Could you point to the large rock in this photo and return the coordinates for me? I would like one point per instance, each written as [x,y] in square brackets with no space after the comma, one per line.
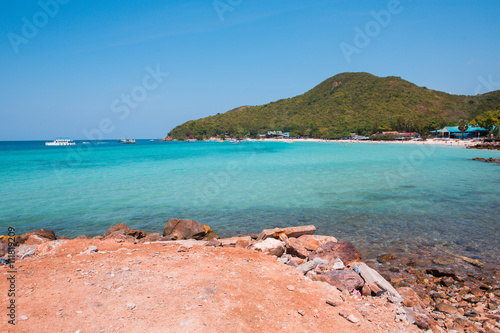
[270,246]
[289,232]
[123,229]
[44,234]
[150,237]
[422,318]
[343,280]
[187,229]
[238,241]
[332,250]
[296,248]
[376,282]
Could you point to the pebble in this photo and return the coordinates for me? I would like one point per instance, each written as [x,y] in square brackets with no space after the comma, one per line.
[301,312]
[23,318]
[290,287]
[131,306]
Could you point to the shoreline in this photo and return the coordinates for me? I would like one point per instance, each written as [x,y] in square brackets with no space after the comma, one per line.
[437,278]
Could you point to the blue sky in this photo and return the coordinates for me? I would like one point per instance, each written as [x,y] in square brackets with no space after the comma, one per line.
[85,70]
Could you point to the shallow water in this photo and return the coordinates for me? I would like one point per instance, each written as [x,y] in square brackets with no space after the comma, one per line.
[381,197]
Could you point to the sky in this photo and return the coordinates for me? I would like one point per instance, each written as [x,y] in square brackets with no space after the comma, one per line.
[111,69]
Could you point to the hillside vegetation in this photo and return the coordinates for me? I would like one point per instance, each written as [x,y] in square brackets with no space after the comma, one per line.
[346,103]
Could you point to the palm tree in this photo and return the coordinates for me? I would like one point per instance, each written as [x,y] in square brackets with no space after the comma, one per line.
[463,125]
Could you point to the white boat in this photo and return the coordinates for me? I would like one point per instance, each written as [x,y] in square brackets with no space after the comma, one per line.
[61,142]
[127,140]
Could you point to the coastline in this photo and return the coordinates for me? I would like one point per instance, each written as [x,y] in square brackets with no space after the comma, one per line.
[454,292]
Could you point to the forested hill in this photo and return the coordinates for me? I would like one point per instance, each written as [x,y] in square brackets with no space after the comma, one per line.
[348,102]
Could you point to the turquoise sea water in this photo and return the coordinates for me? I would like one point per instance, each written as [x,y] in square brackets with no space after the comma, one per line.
[378,196]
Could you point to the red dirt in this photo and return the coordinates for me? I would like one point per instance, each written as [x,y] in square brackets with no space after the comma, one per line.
[204,290]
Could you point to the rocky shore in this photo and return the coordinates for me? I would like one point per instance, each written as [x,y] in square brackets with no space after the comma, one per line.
[396,292]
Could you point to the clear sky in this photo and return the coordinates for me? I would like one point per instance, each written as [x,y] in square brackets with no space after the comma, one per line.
[82,69]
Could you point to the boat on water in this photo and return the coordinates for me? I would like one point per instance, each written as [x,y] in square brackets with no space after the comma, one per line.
[127,141]
[235,141]
[61,142]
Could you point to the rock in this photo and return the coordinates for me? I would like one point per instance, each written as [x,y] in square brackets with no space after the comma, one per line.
[131,306]
[440,272]
[478,159]
[386,258]
[81,237]
[243,242]
[284,258]
[308,266]
[123,229]
[184,248]
[120,238]
[214,243]
[376,282]
[48,234]
[290,287]
[35,240]
[297,261]
[331,251]
[309,242]
[23,317]
[446,308]
[150,237]
[270,246]
[492,160]
[295,247]
[301,312]
[320,261]
[447,281]
[338,264]
[349,317]
[188,229]
[289,232]
[343,280]
[422,319]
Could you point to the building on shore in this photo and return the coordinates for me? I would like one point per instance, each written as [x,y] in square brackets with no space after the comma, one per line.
[455,133]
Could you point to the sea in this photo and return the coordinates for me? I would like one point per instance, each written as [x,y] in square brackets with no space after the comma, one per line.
[383,198]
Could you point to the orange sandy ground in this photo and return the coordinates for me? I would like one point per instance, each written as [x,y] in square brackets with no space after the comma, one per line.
[204,290]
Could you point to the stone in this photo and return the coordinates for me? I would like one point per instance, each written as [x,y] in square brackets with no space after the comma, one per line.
[243,242]
[386,258]
[131,306]
[188,229]
[270,246]
[446,308]
[422,318]
[295,247]
[289,232]
[440,272]
[447,281]
[343,280]
[338,264]
[320,261]
[44,233]
[331,251]
[376,282]
[290,287]
[23,317]
[308,266]
[123,229]
[214,243]
[297,261]
[478,159]
[81,237]
[349,317]
[150,237]
[301,312]
[309,242]
[35,240]
[120,238]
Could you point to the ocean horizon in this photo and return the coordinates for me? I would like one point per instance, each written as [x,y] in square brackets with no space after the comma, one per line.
[381,197]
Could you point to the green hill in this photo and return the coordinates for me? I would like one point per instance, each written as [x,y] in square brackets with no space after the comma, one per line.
[348,102]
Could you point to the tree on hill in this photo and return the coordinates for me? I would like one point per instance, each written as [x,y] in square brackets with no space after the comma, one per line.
[463,126]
